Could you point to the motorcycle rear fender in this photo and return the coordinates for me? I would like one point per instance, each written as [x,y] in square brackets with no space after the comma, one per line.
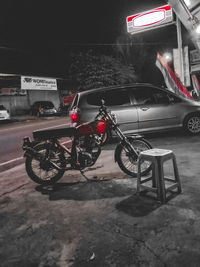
[28,147]
[31,144]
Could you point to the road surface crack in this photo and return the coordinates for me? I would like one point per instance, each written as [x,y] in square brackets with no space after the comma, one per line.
[117,231]
[13,190]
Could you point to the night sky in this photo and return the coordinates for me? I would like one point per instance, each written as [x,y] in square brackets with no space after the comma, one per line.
[40,33]
[67,21]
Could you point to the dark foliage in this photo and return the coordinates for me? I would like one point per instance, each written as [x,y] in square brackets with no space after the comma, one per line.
[89,70]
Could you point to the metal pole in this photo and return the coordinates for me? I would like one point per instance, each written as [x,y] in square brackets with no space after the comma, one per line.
[180,49]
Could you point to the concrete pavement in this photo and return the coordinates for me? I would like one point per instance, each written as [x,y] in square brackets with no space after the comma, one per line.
[102,223]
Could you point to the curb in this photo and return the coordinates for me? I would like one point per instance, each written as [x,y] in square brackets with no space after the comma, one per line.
[11,164]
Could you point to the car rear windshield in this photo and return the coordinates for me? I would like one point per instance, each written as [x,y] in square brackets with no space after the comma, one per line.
[43,104]
[47,105]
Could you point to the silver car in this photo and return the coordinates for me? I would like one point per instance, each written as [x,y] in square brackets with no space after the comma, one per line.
[139,108]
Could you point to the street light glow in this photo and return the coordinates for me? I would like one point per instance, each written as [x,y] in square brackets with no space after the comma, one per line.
[167,57]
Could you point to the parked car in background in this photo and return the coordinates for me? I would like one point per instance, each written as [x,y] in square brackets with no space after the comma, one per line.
[139,108]
[43,108]
[4,113]
[67,100]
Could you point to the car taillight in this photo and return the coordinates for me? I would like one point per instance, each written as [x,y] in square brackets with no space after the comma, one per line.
[75,115]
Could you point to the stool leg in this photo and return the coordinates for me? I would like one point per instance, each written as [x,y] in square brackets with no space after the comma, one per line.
[176,174]
[161,188]
[138,176]
[154,174]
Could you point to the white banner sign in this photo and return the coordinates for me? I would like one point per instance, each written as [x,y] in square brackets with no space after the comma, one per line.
[36,83]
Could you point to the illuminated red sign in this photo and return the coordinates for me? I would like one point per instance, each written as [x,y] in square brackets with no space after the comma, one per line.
[149,19]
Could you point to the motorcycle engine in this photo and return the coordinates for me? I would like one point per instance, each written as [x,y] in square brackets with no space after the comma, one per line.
[89,150]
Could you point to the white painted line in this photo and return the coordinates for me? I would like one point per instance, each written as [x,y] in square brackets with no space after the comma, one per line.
[10,161]
[30,125]
[20,158]
[52,127]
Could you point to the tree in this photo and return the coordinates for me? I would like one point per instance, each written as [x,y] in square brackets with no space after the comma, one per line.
[89,70]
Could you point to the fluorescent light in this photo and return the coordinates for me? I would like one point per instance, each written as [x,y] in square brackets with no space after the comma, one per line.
[197,28]
[188,2]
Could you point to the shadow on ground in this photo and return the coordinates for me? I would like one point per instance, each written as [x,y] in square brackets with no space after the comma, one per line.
[134,205]
[138,206]
[83,191]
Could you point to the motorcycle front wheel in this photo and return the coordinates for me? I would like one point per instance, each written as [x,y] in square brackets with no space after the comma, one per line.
[128,162]
[41,171]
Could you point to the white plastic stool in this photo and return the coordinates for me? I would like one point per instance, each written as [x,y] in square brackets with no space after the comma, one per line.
[158,157]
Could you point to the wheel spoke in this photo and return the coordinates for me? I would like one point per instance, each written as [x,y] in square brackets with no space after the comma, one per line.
[44,170]
[194,124]
[129,162]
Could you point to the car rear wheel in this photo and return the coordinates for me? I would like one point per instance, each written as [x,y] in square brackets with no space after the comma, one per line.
[192,124]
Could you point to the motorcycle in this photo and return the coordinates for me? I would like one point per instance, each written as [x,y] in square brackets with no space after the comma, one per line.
[47,158]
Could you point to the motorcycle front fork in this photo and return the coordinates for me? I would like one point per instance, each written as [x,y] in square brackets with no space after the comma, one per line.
[125,143]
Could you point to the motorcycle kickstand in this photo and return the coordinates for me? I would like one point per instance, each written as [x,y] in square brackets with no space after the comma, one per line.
[87,179]
[82,173]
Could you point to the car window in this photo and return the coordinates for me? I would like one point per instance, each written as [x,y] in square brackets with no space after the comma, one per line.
[111,98]
[161,97]
[174,99]
[117,98]
[95,99]
[144,96]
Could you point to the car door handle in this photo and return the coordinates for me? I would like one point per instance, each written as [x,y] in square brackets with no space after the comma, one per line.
[144,109]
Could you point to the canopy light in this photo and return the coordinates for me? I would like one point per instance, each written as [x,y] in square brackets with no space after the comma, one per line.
[197,28]
[188,3]
[167,56]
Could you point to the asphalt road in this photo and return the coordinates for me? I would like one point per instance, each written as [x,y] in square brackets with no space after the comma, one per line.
[11,135]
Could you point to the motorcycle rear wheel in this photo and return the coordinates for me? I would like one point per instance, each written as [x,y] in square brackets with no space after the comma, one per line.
[127,163]
[42,172]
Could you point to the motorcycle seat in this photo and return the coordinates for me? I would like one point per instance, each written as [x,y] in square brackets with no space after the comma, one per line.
[54,133]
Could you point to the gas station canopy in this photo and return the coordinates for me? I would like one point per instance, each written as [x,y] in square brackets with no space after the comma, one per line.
[188,11]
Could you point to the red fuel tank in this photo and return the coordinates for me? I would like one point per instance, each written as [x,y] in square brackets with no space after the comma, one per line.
[94,127]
